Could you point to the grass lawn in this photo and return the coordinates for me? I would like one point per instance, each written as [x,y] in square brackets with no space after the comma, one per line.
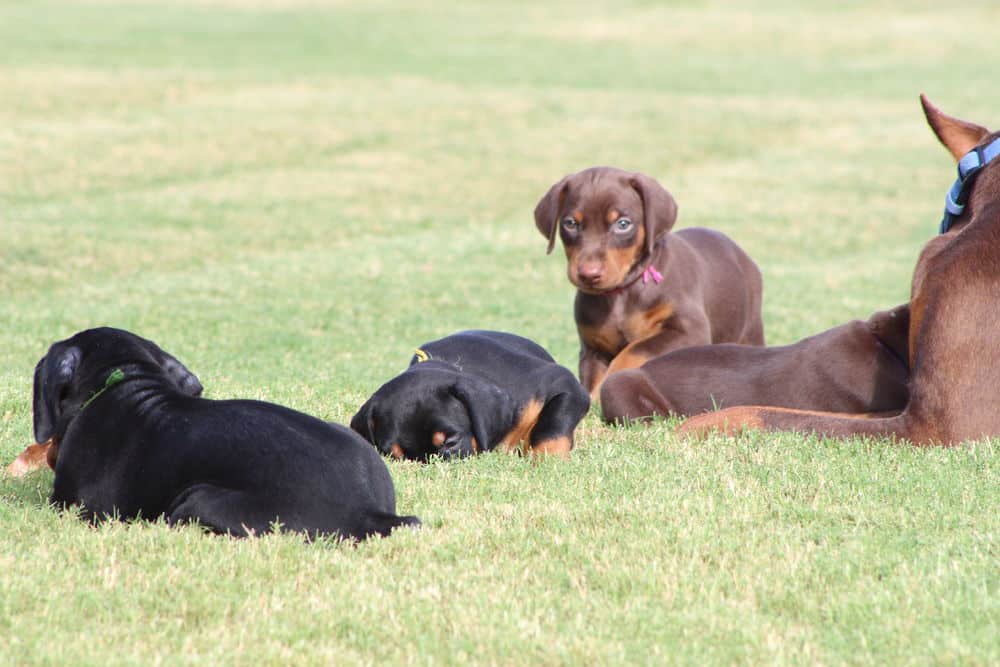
[289,195]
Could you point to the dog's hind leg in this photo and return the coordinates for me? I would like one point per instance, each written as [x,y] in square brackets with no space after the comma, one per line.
[221,510]
[552,434]
[824,424]
[241,514]
[383,523]
[630,396]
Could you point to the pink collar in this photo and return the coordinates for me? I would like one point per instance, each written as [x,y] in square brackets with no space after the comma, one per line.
[649,274]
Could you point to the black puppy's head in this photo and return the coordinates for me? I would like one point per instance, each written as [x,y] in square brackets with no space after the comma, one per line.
[430,410]
[75,369]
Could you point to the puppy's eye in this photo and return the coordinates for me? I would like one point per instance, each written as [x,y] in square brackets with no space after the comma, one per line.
[623,225]
[570,225]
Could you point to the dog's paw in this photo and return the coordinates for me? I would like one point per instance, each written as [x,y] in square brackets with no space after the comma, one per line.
[34,457]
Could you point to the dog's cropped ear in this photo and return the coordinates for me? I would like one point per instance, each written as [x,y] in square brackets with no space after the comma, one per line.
[958,136]
[53,376]
[361,423]
[490,409]
[659,210]
[547,211]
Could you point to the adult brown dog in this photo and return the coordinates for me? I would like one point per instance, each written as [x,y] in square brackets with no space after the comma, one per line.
[954,358]
[855,367]
[641,291]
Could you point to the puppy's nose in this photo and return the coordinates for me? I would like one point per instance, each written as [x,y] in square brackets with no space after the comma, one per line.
[591,271]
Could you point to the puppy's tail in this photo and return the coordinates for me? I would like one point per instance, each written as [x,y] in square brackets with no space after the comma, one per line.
[383,523]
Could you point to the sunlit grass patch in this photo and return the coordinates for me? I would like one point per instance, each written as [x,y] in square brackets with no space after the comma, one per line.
[290,195]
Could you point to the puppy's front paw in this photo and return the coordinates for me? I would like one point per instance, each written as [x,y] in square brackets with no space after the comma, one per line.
[34,457]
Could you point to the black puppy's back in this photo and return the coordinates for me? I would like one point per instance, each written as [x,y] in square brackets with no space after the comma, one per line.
[501,356]
[146,445]
[474,391]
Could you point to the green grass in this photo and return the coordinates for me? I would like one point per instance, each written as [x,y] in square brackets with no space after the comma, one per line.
[290,195]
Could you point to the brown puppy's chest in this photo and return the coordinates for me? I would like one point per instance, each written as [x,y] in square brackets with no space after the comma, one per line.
[623,324]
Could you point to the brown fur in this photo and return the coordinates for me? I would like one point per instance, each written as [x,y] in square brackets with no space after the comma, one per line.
[34,457]
[519,434]
[856,367]
[954,359]
[710,292]
[559,447]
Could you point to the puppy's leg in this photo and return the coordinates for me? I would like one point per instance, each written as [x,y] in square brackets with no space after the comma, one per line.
[593,368]
[678,332]
[629,395]
[221,510]
[34,457]
[825,424]
[552,434]
[637,353]
[380,523]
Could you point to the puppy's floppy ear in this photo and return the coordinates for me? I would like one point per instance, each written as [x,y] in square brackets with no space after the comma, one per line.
[547,210]
[490,409]
[53,376]
[659,210]
[361,423]
[178,373]
[958,136]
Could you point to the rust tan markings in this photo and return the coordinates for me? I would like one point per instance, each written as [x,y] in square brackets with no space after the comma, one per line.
[649,323]
[396,451]
[475,445]
[733,421]
[620,260]
[630,357]
[606,338]
[34,457]
[558,447]
[578,216]
[522,429]
[612,216]
[438,438]
[646,323]
[730,424]
[609,339]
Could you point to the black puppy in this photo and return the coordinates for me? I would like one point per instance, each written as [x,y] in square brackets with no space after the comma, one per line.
[134,439]
[475,391]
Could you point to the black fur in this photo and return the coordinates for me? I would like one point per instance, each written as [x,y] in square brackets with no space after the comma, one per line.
[149,446]
[473,384]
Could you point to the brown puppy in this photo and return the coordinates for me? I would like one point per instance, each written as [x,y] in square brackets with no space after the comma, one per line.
[641,291]
[954,359]
[856,367]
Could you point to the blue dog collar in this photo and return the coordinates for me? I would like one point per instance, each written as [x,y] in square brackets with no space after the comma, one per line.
[970,164]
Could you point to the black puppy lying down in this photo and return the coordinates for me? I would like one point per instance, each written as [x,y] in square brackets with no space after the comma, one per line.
[134,439]
[475,391]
